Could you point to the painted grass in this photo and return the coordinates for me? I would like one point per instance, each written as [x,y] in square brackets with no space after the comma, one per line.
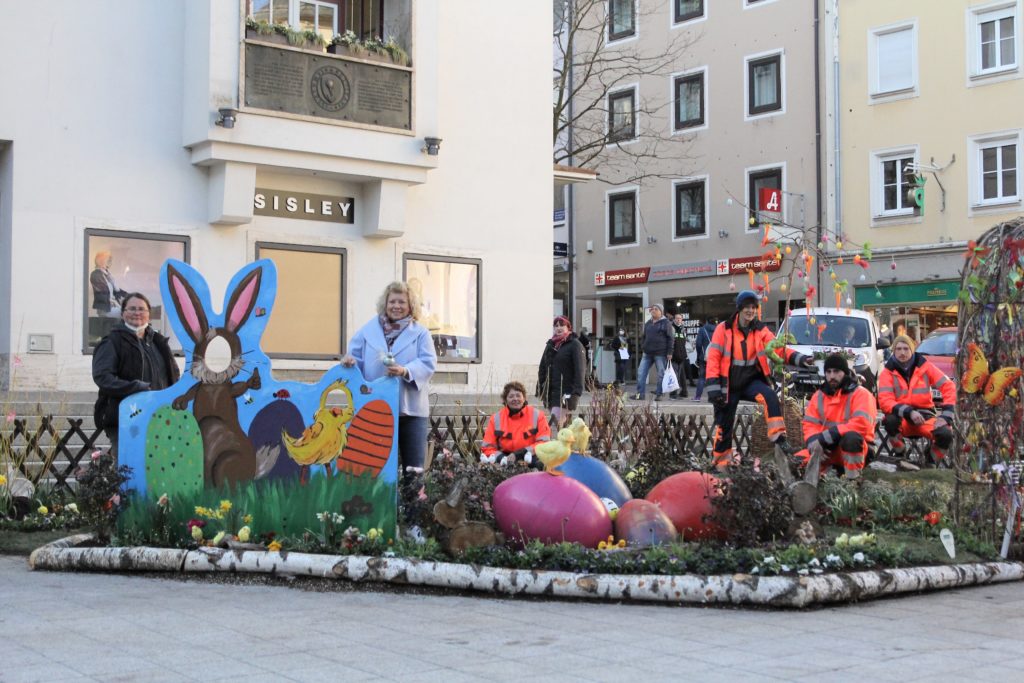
[282,506]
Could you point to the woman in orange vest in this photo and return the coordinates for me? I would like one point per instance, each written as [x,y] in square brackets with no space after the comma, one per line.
[839,423]
[513,431]
[738,369]
[905,396]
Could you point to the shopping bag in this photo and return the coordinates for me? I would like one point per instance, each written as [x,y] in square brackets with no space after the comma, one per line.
[669,382]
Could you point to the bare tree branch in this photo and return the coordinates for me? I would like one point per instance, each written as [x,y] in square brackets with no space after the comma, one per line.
[587,69]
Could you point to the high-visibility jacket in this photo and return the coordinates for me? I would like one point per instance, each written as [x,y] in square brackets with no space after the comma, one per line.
[898,396]
[508,433]
[728,348]
[851,408]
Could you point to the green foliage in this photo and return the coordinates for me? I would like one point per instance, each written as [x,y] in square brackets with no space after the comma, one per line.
[283,507]
[99,493]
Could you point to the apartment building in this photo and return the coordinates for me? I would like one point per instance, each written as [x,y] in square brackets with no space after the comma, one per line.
[928,99]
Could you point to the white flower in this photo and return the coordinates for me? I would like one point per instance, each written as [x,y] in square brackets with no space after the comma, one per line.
[858,557]
[814,562]
[832,560]
[769,560]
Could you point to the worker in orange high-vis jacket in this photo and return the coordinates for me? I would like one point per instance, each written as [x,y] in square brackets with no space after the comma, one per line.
[905,396]
[738,369]
[839,422]
[513,431]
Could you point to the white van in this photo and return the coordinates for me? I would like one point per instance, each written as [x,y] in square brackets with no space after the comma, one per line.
[823,331]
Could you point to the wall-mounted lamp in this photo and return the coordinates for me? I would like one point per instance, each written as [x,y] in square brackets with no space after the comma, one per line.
[227,118]
[722,234]
[433,145]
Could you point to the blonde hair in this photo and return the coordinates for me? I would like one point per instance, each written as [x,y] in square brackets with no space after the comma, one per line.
[904,339]
[103,256]
[399,287]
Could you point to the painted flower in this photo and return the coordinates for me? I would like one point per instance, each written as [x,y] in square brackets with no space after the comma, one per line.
[162,501]
[274,546]
[244,533]
[3,480]
[193,523]
[225,505]
[43,510]
[247,519]
[197,533]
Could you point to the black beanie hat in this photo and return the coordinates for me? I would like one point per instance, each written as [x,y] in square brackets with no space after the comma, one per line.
[837,361]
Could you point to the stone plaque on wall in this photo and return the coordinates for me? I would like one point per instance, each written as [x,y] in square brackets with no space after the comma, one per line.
[315,84]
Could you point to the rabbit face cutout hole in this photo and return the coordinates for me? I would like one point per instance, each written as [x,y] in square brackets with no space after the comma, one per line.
[218,354]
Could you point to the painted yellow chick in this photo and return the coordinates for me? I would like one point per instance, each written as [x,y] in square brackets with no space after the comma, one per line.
[322,441]
[581,432]
[554,453]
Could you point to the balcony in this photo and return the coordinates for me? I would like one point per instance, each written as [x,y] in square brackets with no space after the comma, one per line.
[296,108]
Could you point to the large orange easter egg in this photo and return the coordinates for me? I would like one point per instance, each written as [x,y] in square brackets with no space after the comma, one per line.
[370,436]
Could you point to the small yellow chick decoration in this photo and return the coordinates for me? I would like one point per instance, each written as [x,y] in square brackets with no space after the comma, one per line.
[610,544]
[554,453]
[581,433]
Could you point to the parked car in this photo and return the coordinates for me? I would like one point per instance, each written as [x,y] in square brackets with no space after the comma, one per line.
[823,331]
[940,347]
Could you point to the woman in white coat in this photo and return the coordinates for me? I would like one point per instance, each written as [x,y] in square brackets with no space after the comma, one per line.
[394,344]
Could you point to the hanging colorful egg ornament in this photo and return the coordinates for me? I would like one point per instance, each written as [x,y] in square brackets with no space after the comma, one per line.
[839,245]
[839,260]
[789,249]
[862,277]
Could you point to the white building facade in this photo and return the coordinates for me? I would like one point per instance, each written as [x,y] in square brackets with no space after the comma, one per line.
[146,131]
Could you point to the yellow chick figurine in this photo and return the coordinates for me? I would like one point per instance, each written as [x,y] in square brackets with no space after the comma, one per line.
[581,432]
[554,453]
[322,441]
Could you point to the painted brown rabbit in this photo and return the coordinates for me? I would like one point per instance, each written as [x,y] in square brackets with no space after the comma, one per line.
[228,454]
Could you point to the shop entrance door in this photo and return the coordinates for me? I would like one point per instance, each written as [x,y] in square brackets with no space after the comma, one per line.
[629,316]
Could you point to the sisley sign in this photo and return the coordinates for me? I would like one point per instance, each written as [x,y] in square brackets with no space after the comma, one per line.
[312,207]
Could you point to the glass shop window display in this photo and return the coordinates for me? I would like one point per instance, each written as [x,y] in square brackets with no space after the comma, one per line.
[118,263]
[448,289]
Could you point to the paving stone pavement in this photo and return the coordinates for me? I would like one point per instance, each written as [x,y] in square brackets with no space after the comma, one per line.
[100,627]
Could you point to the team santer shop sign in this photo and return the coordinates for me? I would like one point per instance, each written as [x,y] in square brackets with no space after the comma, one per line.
[311,207]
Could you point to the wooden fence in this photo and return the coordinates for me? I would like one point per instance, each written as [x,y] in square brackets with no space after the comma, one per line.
[54,447]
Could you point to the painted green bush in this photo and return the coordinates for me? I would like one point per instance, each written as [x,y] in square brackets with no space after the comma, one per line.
[174,454]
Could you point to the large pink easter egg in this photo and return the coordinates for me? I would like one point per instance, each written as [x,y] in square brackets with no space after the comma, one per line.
[686,499]
[551,509]
[641,522]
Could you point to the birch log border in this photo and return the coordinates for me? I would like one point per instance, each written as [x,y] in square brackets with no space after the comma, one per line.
[735,589]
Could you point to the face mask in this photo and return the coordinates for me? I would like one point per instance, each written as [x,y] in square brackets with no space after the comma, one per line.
[136,330]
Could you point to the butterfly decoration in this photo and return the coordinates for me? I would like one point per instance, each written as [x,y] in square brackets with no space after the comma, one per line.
[977,253]
[993,385]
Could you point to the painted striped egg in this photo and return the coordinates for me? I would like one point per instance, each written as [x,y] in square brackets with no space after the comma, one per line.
[370,436]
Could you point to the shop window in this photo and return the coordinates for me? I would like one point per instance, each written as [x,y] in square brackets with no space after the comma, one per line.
[690,208]
[689,97]
[764,85]
[118,263]
[622,116]
[449,293]
[621,19]
[766,178]
[622,218]
[307,320]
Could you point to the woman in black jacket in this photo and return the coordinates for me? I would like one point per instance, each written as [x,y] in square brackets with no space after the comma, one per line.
[560,380]
[132,358]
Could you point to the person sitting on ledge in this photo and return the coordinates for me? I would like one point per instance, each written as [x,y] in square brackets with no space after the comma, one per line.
[839,422]
[513,431]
